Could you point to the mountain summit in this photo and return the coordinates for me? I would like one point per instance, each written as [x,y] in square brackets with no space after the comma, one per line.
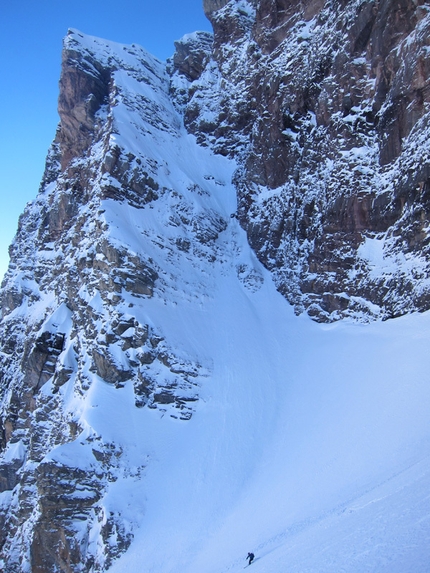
[196,356]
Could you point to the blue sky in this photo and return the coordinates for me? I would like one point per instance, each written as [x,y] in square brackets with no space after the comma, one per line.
[31,36]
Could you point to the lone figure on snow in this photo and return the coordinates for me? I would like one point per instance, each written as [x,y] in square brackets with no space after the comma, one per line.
[250,556]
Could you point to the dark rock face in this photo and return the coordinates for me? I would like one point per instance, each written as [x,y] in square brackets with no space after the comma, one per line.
[192,54]
[333,100]
[84,89]
[210,6]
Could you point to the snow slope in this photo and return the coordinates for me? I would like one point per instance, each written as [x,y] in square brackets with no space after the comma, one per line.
[311,447]
[310,443]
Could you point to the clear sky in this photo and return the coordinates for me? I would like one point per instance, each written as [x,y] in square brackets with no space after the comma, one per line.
[31,36]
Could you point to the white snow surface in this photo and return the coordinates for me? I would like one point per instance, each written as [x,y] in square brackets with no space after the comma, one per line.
[310,443]
[310,446]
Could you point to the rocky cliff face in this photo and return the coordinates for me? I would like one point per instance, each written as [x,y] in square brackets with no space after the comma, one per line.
[326,104]
[318,112]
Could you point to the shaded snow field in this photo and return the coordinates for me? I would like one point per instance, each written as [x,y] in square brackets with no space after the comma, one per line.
[309,446]
[310,443]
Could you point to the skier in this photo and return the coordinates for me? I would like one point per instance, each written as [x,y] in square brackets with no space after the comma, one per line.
[250,556]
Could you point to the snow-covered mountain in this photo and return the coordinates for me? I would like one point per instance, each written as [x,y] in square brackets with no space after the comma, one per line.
[163,406]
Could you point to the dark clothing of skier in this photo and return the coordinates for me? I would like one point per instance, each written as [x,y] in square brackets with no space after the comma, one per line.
[250,556]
